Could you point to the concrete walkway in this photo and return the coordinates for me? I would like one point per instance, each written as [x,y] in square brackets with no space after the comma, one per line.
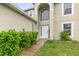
[30,51]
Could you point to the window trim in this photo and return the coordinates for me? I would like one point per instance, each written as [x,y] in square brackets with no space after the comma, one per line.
[71,12]
[72,28]
[41,11]
[43,16]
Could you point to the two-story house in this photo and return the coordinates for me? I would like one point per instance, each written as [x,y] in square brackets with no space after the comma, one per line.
[53,18]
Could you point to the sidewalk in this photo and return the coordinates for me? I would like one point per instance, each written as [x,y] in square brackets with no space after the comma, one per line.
[30,51]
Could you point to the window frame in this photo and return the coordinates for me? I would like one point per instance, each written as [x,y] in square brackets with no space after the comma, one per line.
[72,28]
[41,16]
[72,11]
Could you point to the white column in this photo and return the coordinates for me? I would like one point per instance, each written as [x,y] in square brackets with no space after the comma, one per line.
[51,20]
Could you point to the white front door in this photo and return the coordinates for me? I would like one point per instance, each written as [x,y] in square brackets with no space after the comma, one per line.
[44,32]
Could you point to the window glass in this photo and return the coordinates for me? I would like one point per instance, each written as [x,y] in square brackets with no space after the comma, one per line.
[67,27]
[67,8]
[45,15]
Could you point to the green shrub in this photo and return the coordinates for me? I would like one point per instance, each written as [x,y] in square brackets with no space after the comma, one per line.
[25,41]
[33,37]
[9,43]
[65,36]
[27,38]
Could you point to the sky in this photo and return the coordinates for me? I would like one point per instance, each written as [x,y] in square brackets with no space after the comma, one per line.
[24,6]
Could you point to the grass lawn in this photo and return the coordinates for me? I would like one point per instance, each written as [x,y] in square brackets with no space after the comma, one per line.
[59,48]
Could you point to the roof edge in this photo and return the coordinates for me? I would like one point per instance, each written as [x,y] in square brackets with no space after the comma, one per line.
[14,7]
[29,9]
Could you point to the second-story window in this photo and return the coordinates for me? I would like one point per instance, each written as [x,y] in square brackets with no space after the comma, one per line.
[67,8]
[45,15]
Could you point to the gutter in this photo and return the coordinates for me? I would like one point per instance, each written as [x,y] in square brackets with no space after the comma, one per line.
[29,9]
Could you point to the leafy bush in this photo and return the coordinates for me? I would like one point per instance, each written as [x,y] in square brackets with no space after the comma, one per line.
[25,41]
[33,36]
[27,38]
[65,36]
[9,43]
[12,41]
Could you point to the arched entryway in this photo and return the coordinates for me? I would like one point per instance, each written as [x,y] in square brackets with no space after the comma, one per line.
[44,20]
[43,11]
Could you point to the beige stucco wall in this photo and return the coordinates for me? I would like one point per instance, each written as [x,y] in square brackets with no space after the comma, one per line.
[10,19]
[56,20]
[59,19]
[45,22]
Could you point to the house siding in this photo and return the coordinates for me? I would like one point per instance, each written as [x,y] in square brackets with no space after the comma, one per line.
[10,19]
[56,20]
[59,19]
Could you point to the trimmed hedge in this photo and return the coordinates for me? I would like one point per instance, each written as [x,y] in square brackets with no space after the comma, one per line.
[11,42]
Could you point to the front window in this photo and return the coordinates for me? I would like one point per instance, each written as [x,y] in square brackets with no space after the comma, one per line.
[45,15]
[67,8]
[68,27]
